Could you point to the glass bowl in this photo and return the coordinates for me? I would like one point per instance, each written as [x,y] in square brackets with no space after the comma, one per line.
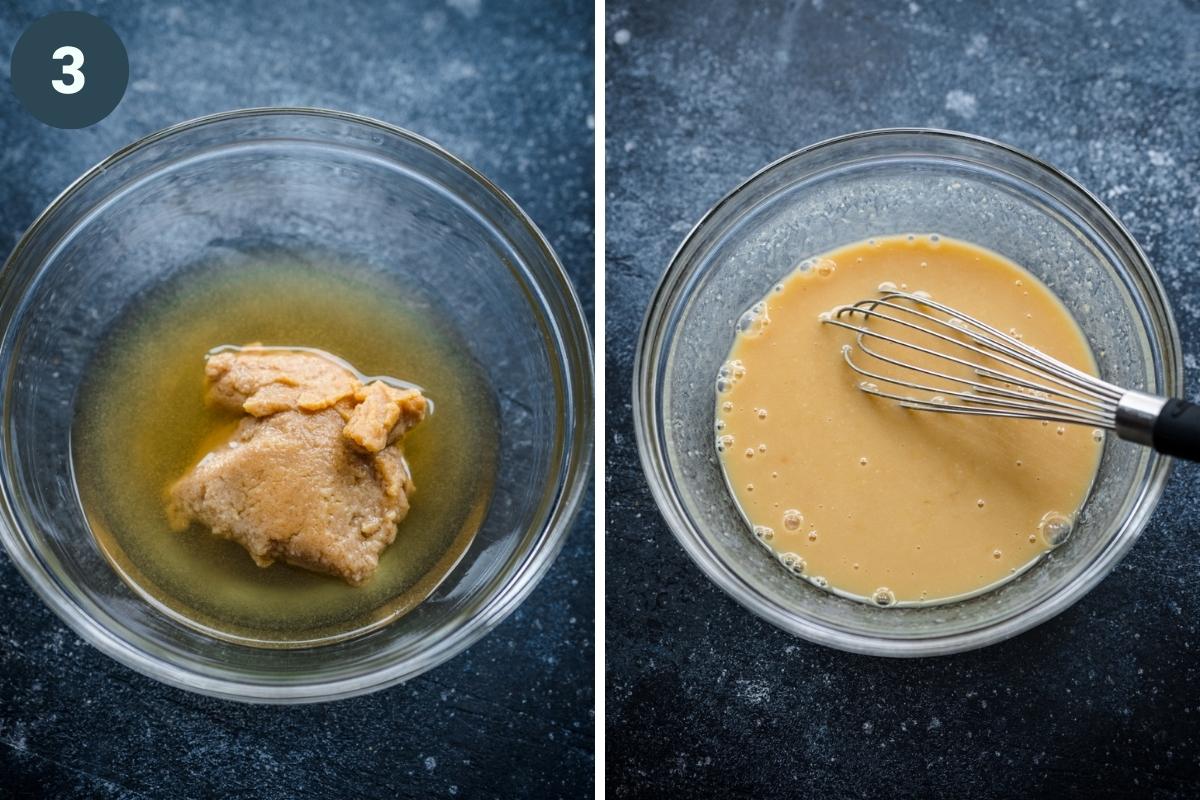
[292,179]
[846,190]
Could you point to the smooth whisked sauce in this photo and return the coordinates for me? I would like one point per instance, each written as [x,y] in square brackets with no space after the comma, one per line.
[874,501]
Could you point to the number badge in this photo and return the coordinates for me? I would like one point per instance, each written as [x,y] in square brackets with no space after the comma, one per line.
[70,69]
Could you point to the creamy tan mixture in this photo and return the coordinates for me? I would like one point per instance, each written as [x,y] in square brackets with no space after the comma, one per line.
[314,474]
[862,496]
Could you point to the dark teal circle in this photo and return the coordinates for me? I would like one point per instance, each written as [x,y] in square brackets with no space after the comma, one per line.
[105,68]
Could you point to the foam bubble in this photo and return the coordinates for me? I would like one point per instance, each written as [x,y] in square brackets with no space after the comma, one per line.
[793,563]
[792,519]
[821,581]
[724,443]
[754,321]
[1098,435]
[763,533]
[867,386]
[883,597]
[1055,528]
[887,286]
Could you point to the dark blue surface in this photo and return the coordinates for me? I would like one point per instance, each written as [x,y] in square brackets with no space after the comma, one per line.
[509,89]
[704,698]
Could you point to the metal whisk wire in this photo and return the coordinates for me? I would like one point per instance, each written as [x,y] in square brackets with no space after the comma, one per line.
[1011,378]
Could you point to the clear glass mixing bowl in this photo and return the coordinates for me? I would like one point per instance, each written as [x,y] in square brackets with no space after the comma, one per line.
[846,190]
[297,180]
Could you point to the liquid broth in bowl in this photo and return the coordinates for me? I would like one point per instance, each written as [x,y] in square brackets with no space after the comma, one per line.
[868,499]
[142,422]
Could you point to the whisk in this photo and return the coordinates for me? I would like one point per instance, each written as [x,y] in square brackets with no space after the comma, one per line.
[999,375]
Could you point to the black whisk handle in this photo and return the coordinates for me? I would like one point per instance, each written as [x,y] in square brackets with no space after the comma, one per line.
[1177,430]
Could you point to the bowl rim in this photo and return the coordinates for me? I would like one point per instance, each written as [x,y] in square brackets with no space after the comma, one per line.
[573,340]
[650,352]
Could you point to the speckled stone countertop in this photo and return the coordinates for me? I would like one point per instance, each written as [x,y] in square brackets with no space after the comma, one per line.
[509,89]
[1103,701]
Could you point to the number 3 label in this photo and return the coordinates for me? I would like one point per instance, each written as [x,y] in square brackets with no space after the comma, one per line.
[70,70]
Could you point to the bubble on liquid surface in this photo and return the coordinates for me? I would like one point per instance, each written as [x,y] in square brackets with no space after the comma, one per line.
[749,452]
[1098,435]
[938,400]
[887,286]
[997,553]
[920,294]
[1055,528]
[867,386]
[883,597]
[1060,430]
[754,321]
[825,267]
[862,462]
[821,581]
[761,413]
[720,425]
[807,265]
[793,563]
[763,533]
[728,375]
[724,443]
[792,519]
[727,406]
[824,316]
[812,536]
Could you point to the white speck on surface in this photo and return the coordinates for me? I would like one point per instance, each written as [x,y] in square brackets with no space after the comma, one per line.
[961,103]
[622,36]
[468,8]
[430,763]
[868,727]
[591,122]
[143,85]
[753,692]
[913,8]
[1160,158]
[630,145]
[978,45]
